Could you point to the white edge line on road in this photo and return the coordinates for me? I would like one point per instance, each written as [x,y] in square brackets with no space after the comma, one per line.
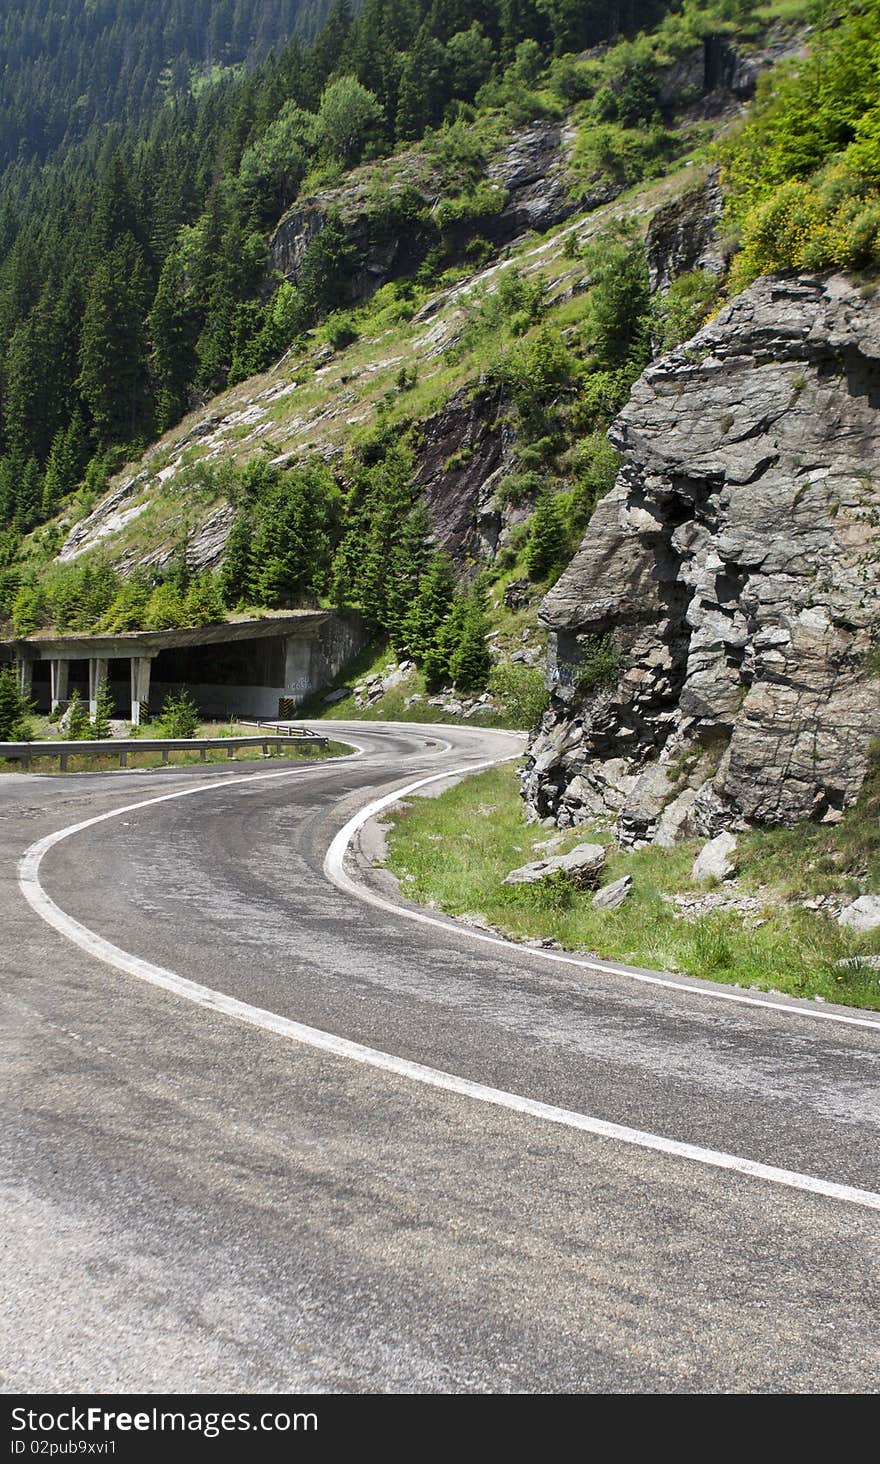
[334,868]
[229,1006]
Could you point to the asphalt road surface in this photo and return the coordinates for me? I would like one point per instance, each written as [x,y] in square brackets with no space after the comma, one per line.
[194,1204]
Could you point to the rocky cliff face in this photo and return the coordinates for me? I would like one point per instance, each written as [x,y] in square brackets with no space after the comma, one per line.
[683,235]
[531,169]
[713,644]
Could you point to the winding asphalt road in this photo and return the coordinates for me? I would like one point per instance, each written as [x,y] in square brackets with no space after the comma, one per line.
[194,1204]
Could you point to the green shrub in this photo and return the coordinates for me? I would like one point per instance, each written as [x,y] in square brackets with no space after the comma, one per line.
[481,201]
[599,665]
[518,488]
[595,469]
[684,308]
[79,728]
[15,707]
[803,175]
[520,692]
[624,155]
[340,331]
[180,715]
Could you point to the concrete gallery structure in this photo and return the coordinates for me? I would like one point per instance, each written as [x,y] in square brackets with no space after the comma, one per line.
[258,668]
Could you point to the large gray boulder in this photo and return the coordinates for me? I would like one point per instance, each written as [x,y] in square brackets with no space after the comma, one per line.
[582,867]
[732,568]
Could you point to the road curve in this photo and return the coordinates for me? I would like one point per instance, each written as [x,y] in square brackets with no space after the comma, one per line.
[192,1204]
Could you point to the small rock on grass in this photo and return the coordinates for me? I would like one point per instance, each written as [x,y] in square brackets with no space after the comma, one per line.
[582,866]
[715,859]
[612,896]
[863,914]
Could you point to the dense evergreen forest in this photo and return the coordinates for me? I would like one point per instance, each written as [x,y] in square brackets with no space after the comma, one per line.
[67,66]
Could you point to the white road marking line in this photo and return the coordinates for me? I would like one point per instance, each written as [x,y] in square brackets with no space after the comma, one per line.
[229,1006]
[334,868]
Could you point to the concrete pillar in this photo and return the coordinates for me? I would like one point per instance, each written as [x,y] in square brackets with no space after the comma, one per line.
[26,677]
[140,687]
[59,674]
[97,674]
[298,670]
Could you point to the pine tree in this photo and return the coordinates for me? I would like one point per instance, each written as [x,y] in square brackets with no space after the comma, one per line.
[470,662]
[236,574]
[129,606]
[79,728]
[423,87]
[173,328]
[164,609]
[65,464]
[180,715]
[103,712]
[15,708]
[436,659]
[202,603]
[115,214]
[29,504]
[406,565]
[430,607]
[548,545]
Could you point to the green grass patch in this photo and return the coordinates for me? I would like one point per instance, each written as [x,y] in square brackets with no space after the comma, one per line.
[453,852]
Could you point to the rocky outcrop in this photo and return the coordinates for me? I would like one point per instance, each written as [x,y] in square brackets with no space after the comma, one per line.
[711,642]
[391,218]
[683,235]
[714,78]
[464,451]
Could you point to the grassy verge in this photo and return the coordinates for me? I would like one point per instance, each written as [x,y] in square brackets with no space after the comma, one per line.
[452,853]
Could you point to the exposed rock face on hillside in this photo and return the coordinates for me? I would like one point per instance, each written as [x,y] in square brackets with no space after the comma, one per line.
[531,169]
[683,235]
[726,598]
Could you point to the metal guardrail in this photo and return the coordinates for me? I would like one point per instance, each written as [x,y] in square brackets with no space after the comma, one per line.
[282,728]
[23,752]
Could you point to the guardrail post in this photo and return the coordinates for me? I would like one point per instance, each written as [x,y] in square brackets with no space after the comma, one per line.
[203,754]
[123,758]
[164,754]
[62,758]
[230,751]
